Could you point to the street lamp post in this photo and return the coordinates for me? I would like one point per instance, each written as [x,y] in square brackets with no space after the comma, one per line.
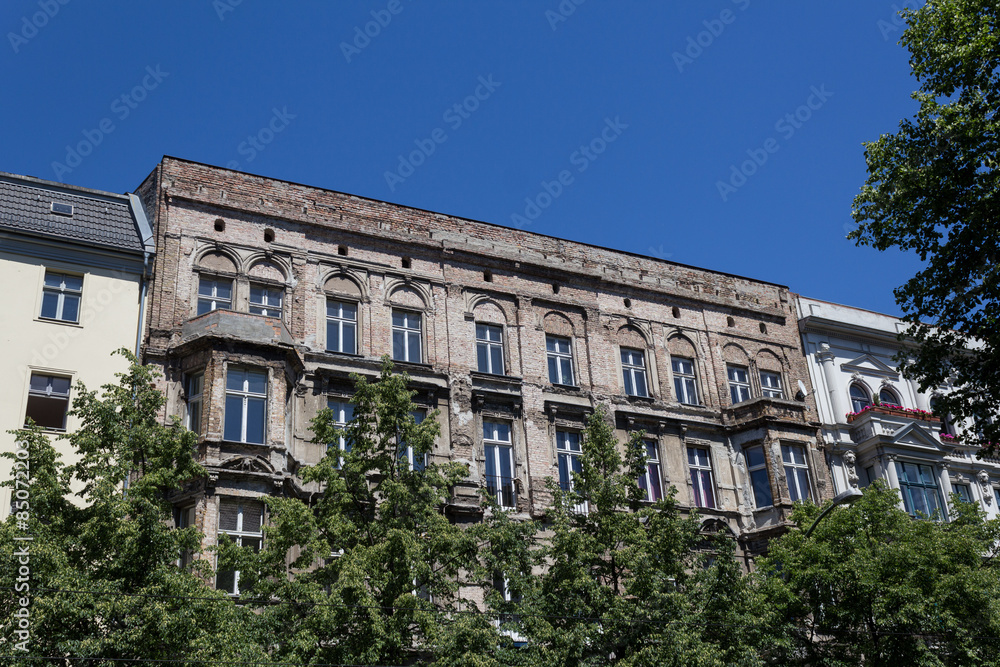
[847,497]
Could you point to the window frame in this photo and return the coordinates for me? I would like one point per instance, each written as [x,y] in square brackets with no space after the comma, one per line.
[49,394]
[697,472]
[238,535]
[265,306]
[754,471]
[632,370]
[494,450]
[906,488]
[342,322]
[558,358]
[195,400]
[653,490]
[490,346]
[896,400]
[406,452]
[794,470]
[246,396]
[62,293]
[856,405]
[408,334]
[770,390]
[966,494]
[341,408]
[737,387]
[212,298]
[685,383]
[566,452]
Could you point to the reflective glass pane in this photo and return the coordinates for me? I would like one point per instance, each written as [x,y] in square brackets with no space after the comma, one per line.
[566,366]
[654,481]
[255,420]
[399,345]
[257,382]
[482,358]
[761,488]
[60,386]
[223,290]
[349,345]
[415,353]
[235,378]
[333,336]
[74,283]
[53,279]
[39,382]
[71,307]
[234,419]
[50,304]
[257,294]
[564,478]
[491,462]
[496,358]
[755,456]
[505,463]
[503,432]
[398,319]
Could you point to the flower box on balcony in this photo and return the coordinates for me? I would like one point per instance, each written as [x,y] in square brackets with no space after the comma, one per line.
[894,411]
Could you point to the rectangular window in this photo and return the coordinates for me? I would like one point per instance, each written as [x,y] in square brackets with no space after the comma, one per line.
[343,414]
[569,450]
[61,297]
[48,401]
[510,597]
[650,481]
[184,518]
[918,487]
[489,349]
[685,386]
[770,384]
[406,336]
[241,520]
[195,387]
[407,457]
[266,300]
[341,327]
[739,384]
[996,492]
[214,294]
[499,463]
[246,402]
[963,491]
[560,356]
[700,464]
[634,372]
[796,472]
[759,479]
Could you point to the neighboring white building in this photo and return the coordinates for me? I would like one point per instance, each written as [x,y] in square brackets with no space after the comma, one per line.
[73,263]
[850,358]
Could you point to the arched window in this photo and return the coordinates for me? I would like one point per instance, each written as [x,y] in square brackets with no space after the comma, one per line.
[886,395]
[859,398]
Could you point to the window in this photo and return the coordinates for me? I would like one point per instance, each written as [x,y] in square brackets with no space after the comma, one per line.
[963,491]
[266,300]
[509,597]
[859,398]
[996,493]
[214,294]
[406,336]
[407,457]
[634,372]
[246,399]
[489,348]
[888,396]
[739,384]
[759,479]
[184,518]
[341,327]
[918,487]
[770,384]
[650,480]
[48,401]
[241,521]
[499,463]
[568,450]
[796,472]
[195,387]
[61,297]
[560,357]
[343,414]
[702,488]
[685,386]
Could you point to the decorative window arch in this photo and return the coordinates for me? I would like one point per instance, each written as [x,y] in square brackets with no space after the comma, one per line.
[889,395]
[860,397]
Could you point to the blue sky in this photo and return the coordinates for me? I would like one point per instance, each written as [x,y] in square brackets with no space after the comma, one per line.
[724,134]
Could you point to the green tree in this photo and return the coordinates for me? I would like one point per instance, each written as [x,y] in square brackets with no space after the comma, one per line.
[103,573]
[933,189]
[872,586]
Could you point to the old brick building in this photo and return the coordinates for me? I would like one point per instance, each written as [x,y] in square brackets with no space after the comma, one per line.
[268,294]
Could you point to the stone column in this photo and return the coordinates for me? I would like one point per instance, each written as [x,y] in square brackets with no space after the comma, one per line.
[838,400]
[945,488]
[889,462]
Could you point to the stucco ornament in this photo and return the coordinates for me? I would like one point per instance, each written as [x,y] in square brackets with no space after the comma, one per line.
[850,458]
[984,484]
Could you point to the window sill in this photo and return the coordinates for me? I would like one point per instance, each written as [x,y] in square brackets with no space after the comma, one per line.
[640,399]
[51,320]
[411,364]
[568,387]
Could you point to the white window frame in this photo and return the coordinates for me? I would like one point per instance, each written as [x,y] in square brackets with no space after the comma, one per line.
[565,451]
[49,394]
[246,395]
[796,473]
[698,472]
[856,405]
[770,384]
[195,387]
[560,357]
[212,299]
[739,389]
[685,380]
[184,518]
[891,392]
[646,482]
[634,369]
[965,496]
[406,452]
[265,306]
[495,447]
[239,535]
[754,472]
[62,293]
[343,415]
[489,345]
[501,583]
[341,322]
[409,333]
[907,487]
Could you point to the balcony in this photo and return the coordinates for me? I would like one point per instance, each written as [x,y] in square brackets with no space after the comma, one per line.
[503,490]
[911,429]
[763,408]
[244,327]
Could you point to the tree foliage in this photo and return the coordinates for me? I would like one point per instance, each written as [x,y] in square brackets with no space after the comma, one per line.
[933,189]
[872,586]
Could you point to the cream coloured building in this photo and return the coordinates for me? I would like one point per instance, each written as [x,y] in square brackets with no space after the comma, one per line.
[74,262]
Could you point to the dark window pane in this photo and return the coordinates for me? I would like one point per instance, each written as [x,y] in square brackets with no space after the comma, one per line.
[50,302]
[255,420]
[234,419]
[234,379]
[48,412]
[348,346]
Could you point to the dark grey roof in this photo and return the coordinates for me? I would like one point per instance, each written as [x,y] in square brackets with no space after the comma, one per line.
[99,218]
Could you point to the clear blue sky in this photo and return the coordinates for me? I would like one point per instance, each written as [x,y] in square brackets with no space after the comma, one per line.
[665,98]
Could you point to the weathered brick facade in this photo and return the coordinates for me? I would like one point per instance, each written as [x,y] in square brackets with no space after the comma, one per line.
[314,245]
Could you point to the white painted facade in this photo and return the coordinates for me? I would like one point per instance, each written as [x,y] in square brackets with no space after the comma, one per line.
[852,349]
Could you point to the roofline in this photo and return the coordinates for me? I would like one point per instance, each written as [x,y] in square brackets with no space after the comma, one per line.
[481,222]
[55,185]
[845,305]
[105,247]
